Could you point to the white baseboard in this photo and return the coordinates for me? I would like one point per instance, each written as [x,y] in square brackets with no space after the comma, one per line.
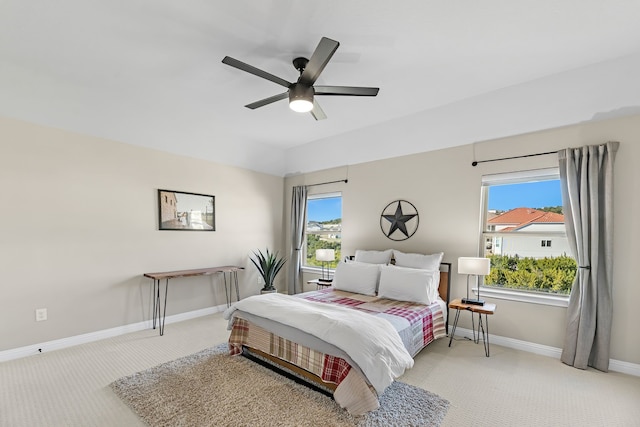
[624,367]
[545,350]
[58,344]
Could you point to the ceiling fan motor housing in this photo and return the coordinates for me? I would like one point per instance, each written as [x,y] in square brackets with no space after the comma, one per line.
[299,92]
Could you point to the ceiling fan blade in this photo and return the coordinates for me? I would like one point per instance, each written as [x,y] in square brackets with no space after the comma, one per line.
[346,90]
[317,112]
[255,71]
[267,101]
[321,56]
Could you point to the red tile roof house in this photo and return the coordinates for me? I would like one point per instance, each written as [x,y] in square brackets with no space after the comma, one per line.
[537,225]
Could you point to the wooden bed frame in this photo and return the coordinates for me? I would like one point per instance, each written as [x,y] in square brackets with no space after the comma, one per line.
[444,289]
[305,377]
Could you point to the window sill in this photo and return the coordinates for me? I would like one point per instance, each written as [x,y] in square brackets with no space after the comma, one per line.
[521,296]
[315,270]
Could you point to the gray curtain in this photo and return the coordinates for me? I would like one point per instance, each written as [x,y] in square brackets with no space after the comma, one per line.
[298,222]
[586,176]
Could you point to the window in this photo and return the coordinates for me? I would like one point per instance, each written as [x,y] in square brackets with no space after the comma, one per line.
[522,216]
[324,227]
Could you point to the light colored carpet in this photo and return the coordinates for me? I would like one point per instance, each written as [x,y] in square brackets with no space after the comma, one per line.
[211,388]
[70,387]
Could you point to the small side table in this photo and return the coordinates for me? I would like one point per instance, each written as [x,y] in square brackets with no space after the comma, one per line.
[319,283]
[485,309]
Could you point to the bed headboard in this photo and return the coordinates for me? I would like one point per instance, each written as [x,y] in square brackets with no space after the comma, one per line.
[444,289]
[445,281]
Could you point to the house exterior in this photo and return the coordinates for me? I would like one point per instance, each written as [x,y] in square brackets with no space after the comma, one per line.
[531,234]
[168,206]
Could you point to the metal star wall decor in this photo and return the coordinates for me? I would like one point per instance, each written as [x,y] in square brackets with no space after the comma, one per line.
[399,220]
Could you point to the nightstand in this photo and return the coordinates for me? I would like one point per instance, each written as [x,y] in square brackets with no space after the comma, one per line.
[485,309]
[319,283]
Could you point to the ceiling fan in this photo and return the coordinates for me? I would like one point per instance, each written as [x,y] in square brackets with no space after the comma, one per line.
[301,93]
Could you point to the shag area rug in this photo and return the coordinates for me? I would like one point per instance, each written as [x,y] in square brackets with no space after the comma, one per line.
[211,388]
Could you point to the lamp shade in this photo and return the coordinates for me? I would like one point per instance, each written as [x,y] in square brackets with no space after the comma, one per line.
[325,255]
[471,265]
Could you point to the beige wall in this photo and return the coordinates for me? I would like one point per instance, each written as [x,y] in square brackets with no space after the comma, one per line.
[445,189]
[79,227]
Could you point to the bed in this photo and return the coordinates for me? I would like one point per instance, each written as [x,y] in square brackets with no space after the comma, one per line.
[347,341]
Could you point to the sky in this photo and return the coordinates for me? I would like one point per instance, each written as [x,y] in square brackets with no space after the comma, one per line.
[501,197]
[526,195]
[324,209]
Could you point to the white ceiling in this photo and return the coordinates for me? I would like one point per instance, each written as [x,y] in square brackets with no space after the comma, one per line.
[149,73]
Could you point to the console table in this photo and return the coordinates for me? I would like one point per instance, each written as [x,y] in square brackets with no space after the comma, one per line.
[160,313]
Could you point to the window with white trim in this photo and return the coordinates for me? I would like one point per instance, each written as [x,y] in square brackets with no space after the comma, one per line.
[324,227]
[524,233]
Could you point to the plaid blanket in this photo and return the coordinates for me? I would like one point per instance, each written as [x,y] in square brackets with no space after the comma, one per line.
[417,324]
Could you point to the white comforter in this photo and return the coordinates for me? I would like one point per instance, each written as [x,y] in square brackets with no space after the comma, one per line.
[370,341]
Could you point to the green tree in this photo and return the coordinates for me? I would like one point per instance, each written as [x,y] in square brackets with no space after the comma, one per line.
[556,209]
[551,275]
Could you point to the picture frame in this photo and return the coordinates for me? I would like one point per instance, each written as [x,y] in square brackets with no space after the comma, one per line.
[183,211]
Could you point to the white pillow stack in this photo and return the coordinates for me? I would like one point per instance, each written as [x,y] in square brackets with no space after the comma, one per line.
[415,277]
[423,262]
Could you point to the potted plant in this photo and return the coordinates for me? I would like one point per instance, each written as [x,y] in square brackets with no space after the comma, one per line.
[269,265]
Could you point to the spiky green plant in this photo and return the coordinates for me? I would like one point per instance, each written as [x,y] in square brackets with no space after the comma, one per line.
[269,265]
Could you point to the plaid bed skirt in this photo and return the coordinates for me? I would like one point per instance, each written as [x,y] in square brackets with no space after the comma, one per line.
[329,368]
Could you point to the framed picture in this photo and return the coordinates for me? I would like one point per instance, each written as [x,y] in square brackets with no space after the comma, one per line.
[186,211]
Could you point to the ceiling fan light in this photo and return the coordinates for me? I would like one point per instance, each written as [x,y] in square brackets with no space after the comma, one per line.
[301,98]
[301,105]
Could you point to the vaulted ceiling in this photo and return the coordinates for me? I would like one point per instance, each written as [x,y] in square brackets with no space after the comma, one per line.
[149,73]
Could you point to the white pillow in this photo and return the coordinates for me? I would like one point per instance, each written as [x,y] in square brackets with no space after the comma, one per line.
[407,284]
[433,288]
[358,277]
[374,257]
[425,262]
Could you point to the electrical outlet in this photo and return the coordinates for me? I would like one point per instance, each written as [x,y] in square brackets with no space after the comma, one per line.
[41,314]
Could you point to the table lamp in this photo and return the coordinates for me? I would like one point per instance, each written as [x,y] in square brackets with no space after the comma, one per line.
[477,267]
[325,256]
